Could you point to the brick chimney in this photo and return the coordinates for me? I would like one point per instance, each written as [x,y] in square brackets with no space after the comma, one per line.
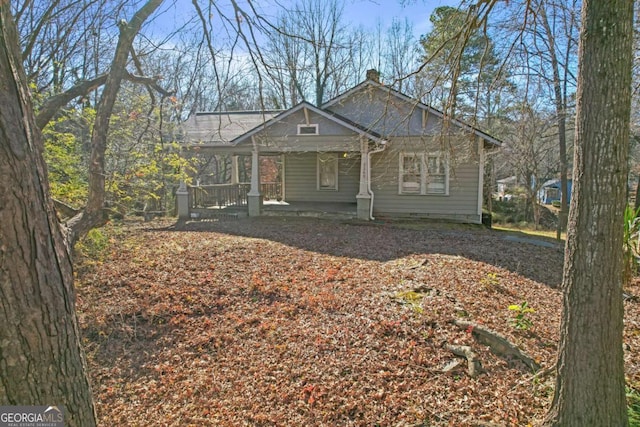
[373,75]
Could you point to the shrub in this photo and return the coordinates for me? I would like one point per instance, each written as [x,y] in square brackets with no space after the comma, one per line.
[633,407]
[521,319]
[631,242]
[93,245]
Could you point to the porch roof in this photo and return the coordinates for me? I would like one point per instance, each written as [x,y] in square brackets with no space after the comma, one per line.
[231,132]
[215,128]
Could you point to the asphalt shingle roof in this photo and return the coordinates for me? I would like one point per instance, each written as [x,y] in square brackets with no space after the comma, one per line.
[223,127]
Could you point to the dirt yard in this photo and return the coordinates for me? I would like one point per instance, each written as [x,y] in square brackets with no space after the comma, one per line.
[308,322]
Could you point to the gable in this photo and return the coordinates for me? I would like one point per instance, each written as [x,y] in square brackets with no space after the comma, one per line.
[301,124]
[376,109]
[391,113]
[286,126]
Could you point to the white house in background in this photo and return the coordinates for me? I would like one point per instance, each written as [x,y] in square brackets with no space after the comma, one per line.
[505,185]
[372,150]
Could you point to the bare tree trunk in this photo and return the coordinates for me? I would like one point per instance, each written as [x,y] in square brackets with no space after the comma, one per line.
[41,359]
[93,214]
[590,374]
[561,119]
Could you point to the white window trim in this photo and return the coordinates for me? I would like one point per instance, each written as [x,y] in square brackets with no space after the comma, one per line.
[329,157]
[312,125]
[423,184]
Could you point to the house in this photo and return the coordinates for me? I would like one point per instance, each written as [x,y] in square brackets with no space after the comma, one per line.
[551,191]
[505,186]
[371,150]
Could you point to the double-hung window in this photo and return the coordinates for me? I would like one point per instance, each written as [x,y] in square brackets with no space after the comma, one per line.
[328,171]
[424,173]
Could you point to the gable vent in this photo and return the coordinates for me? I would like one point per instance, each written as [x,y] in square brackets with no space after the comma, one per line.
[308,129]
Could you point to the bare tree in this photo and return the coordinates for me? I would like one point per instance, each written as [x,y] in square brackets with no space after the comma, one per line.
[553,35]
[309,52]
[399,54]
[60,40]
[461,72]
[93,215]
[530,152]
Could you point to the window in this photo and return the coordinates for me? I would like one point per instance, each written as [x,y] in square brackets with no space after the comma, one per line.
[423,173]
[328,171]
[308,129]
[436,174]
[411,171]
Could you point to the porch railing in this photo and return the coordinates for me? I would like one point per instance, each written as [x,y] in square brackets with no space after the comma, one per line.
[221,195]
[271,190]
[218,195]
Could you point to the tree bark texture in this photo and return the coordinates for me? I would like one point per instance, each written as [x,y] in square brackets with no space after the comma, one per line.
[41,359]
[590,373]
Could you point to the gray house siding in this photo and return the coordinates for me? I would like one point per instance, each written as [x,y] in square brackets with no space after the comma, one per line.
[461,203]
[283,135]
[301,179]
[314,144]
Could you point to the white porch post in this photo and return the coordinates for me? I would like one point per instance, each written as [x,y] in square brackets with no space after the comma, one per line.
[363,197]
[182,199]
[254,199]
[234,169]
[481,161]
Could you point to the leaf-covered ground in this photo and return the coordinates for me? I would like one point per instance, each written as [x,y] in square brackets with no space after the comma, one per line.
[306,322]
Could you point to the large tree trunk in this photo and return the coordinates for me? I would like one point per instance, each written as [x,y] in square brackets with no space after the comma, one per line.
[590,374]
[41,360]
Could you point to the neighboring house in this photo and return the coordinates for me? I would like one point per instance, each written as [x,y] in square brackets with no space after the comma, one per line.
[551,191]
[371,148]
[505,186]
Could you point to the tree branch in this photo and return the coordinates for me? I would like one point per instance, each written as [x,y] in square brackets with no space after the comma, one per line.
[82,88]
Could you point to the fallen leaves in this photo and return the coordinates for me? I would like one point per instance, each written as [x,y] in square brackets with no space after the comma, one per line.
[293,322]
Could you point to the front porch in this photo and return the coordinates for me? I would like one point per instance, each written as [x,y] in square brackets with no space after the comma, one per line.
[280,208]
[218,196]
[302,193]
[231,201]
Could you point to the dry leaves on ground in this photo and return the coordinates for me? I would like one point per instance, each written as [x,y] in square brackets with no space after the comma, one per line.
[275,321]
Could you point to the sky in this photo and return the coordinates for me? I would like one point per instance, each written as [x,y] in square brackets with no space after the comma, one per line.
[367,12]
[357,12]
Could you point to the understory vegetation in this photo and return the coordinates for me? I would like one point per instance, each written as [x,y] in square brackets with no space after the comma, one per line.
[275,321]
[518,212]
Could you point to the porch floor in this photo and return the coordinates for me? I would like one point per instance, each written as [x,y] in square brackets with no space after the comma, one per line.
[313,209]
[282,208]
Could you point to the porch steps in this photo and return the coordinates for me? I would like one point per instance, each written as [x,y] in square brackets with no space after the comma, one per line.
[208,214]
[309,213]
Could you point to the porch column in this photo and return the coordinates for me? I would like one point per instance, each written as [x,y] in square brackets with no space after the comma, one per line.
[234,169]
[182,200]
[254,199]
[363,197]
